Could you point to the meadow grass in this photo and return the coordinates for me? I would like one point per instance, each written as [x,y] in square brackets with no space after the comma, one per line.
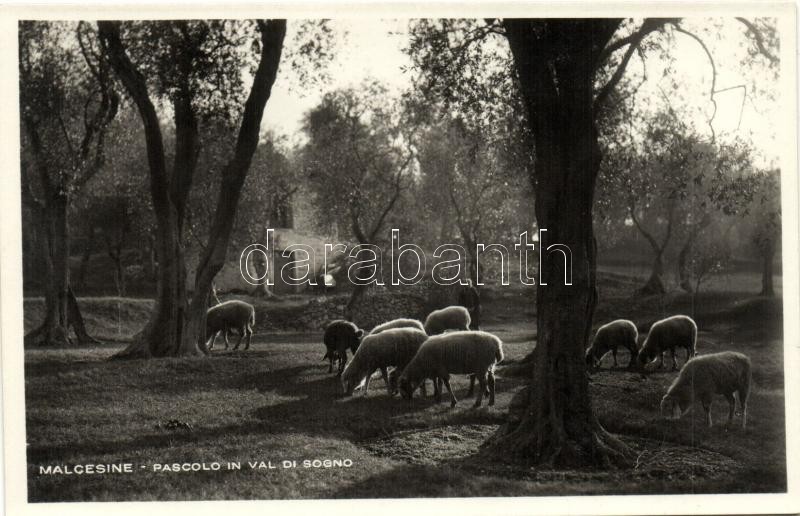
[277,402]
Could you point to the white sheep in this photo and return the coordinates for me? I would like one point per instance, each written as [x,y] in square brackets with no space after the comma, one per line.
[449,318]
[702,377]
[233,314]
[397,323]
[668,334]
[390,348]
[608,337]
[458,352]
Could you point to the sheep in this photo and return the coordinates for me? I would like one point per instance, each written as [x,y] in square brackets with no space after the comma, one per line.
[667,334]
[609,337]
[233,314]
[718,373]
[339,336]
[449,318]
[397,323]
[459,352]
[395,347]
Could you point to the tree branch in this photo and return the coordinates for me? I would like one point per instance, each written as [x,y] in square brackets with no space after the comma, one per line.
[702,44]
[633,41]
[759,39]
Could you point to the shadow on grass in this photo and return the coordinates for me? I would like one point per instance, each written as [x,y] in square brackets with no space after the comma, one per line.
[316,407]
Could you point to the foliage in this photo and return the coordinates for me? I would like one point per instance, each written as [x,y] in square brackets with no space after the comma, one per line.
[710,255]
[471,185]
[66,103]
[358,161]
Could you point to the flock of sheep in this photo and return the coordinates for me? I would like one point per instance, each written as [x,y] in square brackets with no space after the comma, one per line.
[444,345]
[726,373]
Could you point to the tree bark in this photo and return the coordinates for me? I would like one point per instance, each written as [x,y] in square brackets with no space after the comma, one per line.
[233,178]
[177,326]
[552,421]
[61,306]
[162,334]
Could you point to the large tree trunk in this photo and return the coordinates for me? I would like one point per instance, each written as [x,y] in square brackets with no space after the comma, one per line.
[552,421]
[163,332]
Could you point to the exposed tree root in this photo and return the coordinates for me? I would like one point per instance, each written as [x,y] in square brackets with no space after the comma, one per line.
[549,443]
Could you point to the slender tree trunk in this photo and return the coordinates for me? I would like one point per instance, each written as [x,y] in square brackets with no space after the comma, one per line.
[655,284]
[767,271]
[552,421]
[76,320]
[683,270]
[233,178]
[61,307]
[683,256]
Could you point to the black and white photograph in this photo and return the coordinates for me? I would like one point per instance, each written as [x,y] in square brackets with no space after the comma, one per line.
[401,254]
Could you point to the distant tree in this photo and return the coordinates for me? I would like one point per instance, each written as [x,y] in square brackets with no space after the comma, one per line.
[766,232]
[710,255]
[675,182]
[469,180]
[67,103]
[358,163]
[266,201]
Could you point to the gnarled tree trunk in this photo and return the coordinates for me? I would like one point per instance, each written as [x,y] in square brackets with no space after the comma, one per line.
[552,422]
[177,326]
[61,306]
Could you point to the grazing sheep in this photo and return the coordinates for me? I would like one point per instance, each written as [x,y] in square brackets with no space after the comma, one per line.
[723,373]
[233,314]
[449,318]
[609,337]
[460,352]
[668,334]
[391,348]
[339,336]
[397,323]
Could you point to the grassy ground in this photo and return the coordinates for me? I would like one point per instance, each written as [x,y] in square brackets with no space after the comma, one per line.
[277,402]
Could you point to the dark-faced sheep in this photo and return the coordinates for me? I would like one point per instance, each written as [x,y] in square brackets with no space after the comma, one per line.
[340,336]
[702,377]
[621,332]
[397,323]
[230,315]
[678,331]
[459,352]
[390,348]
[449,318]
